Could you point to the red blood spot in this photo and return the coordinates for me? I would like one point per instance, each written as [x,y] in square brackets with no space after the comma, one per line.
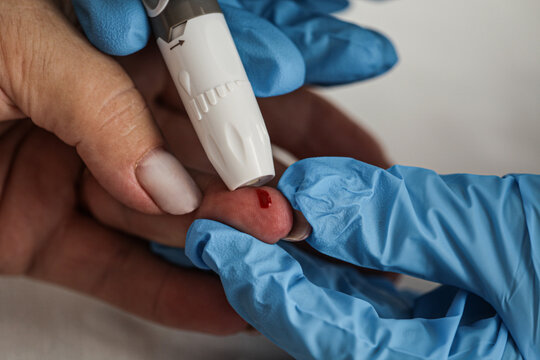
[264,198]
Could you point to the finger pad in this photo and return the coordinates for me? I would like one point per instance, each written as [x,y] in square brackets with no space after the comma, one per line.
[264,213]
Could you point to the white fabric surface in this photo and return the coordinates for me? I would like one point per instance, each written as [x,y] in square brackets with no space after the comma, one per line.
[42,322]
[465,98]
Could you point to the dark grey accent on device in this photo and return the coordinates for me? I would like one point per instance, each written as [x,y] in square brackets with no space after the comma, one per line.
[152,4]
[178,12]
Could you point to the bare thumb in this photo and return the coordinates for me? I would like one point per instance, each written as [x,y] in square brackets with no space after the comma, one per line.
[58,79]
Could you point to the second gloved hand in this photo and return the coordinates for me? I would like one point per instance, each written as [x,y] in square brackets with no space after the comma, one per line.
[283,43]
[317,310]
[476,233]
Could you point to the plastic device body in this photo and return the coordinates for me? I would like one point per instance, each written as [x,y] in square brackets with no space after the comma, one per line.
[200,53]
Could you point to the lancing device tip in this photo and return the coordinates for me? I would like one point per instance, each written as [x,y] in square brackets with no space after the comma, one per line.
[200,53]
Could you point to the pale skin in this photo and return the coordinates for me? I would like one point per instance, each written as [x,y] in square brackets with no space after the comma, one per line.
[71,212]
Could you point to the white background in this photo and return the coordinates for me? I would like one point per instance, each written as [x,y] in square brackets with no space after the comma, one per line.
[464,98]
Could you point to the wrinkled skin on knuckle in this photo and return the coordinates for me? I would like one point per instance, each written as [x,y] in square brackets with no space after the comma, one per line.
[122,126]
[9,28]
[48,68]
[30,60]
[118,110]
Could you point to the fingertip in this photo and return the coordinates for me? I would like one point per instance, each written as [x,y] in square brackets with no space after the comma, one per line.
[301,228]
[115,27]
[274,222]
[263,212]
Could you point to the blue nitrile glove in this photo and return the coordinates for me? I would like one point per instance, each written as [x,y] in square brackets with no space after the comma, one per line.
[478,233]
[317,310]
[283,43]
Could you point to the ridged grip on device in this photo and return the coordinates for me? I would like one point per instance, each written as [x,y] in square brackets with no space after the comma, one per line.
[219,100]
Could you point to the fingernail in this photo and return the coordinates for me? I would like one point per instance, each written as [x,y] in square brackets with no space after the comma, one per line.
[300,229]
[168,183]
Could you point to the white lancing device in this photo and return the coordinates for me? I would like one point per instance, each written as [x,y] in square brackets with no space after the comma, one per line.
[202,58]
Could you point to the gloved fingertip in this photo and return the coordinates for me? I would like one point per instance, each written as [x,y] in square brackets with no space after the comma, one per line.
[388,53]
[329,192]
[354,55]
[275,75]
[296,176]
[273,63]
[115,27]
[378,55]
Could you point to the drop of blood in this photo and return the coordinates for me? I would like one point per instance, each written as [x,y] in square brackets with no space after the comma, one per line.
[264,198]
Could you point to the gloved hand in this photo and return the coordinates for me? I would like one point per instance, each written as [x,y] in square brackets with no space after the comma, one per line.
[283,43]
[477,233]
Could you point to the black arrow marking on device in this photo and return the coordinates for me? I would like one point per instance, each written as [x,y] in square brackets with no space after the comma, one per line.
[180,43]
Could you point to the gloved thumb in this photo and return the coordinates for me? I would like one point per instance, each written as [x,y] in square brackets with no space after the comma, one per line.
[115,27]
[449,229]
[66,86]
